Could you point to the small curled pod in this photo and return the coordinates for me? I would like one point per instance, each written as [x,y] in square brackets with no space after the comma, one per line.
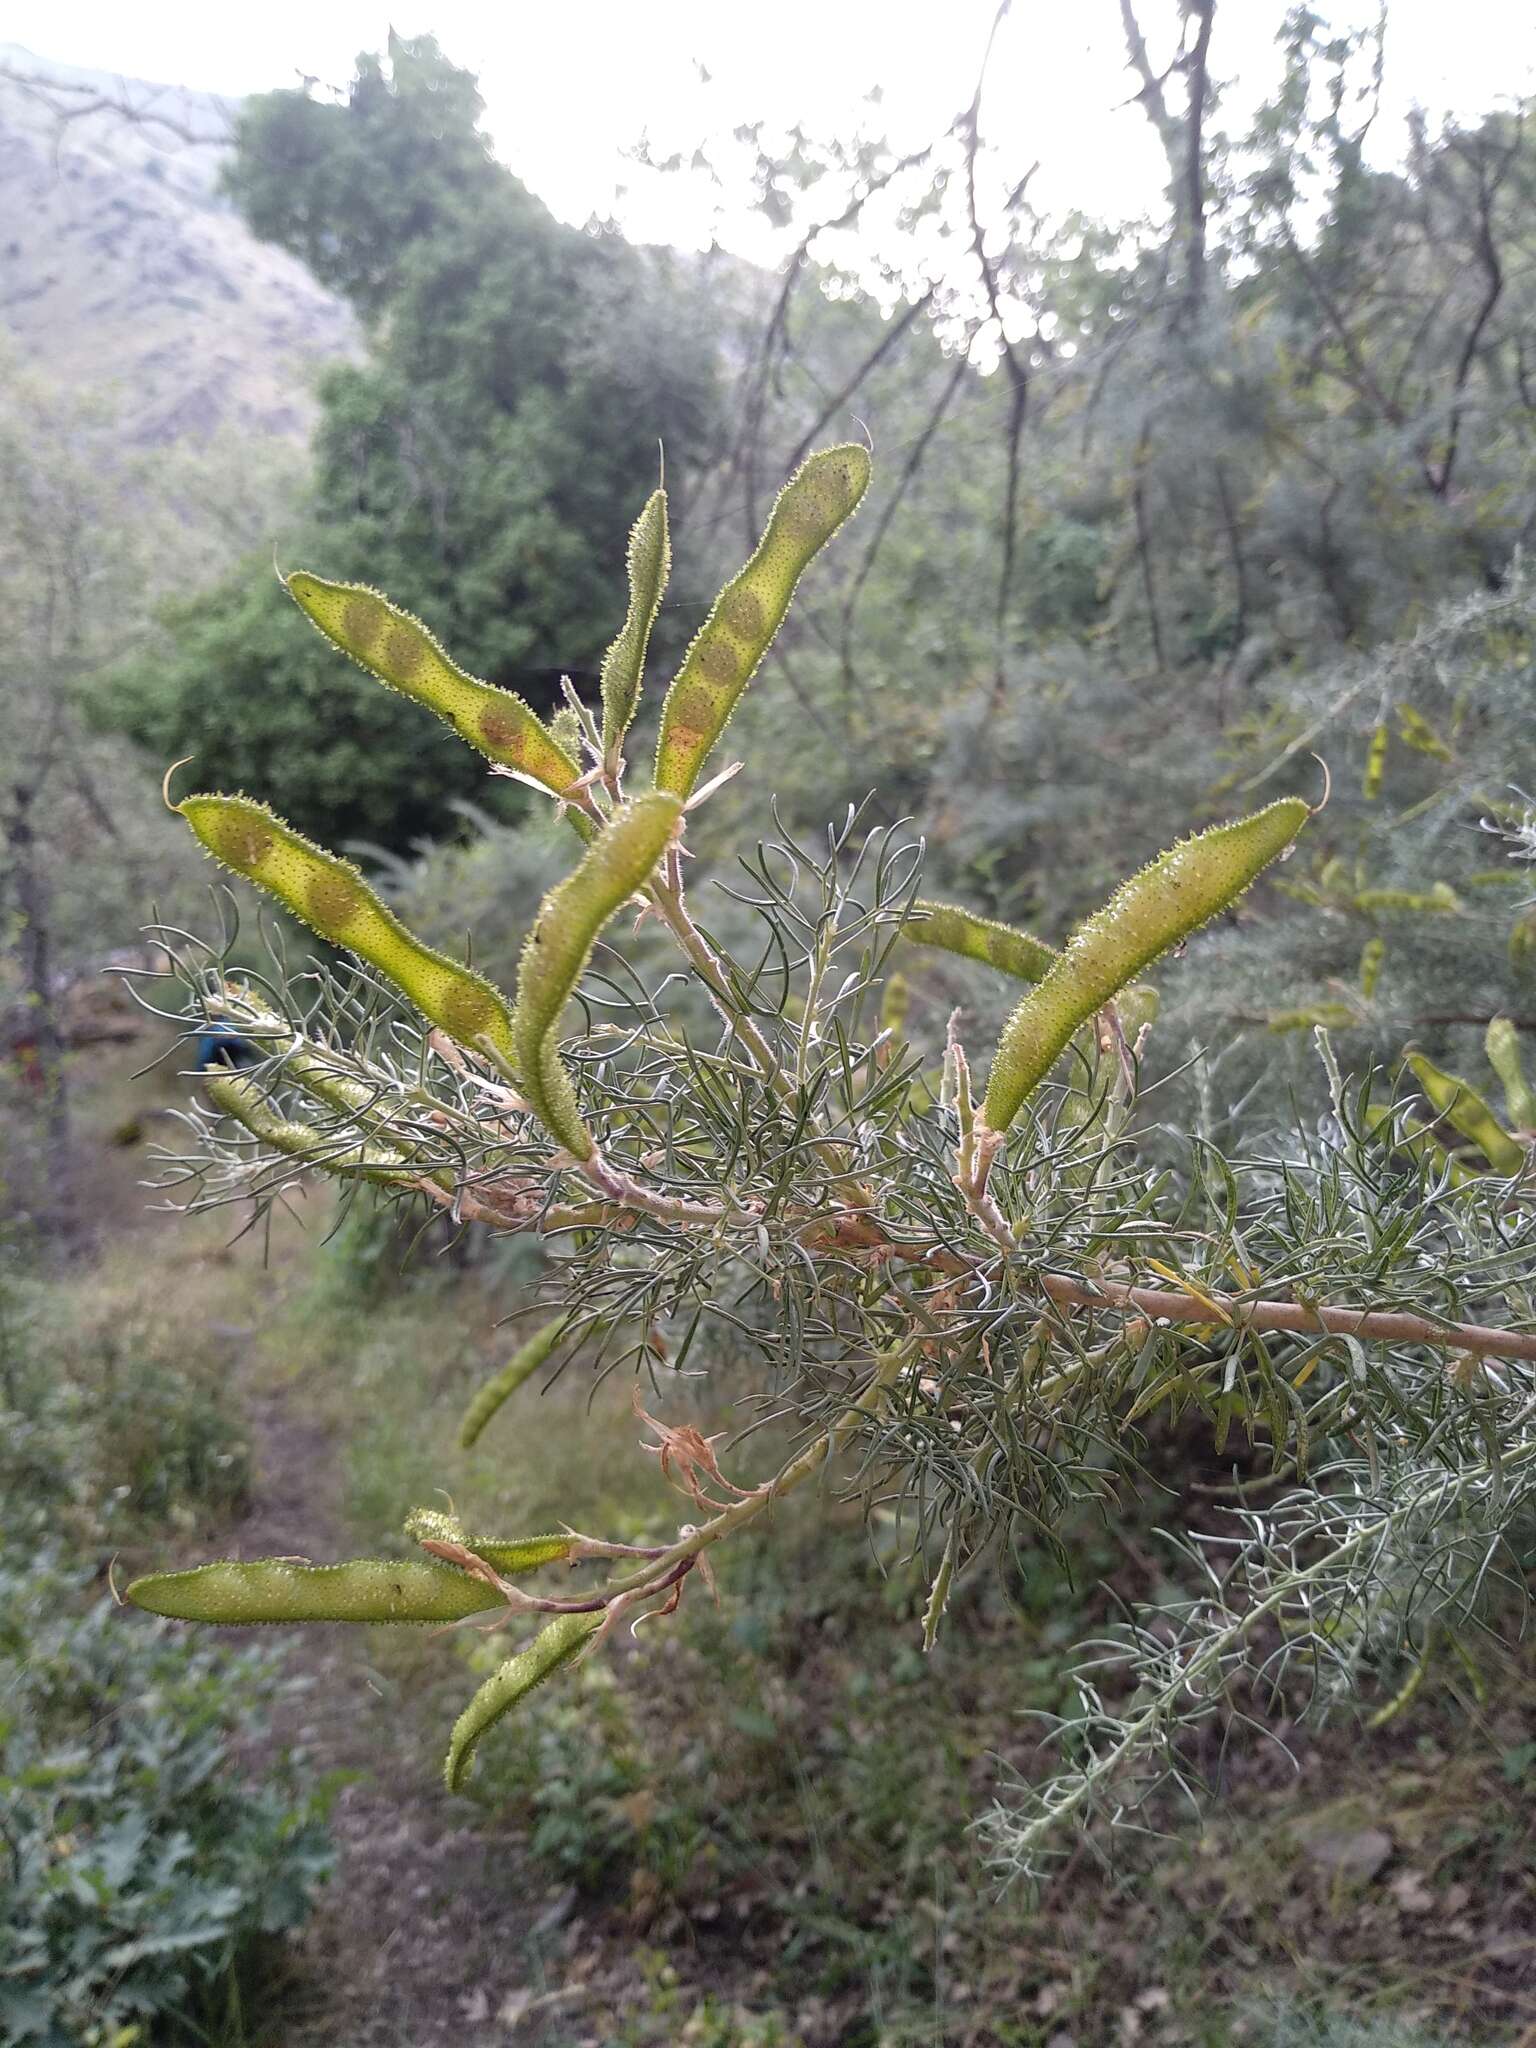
[618,862]
[997,945]
[1466,1111]
[273,1589]
[649,563]
[823,492]
[399,651]
[243,1100]
[1180,891]
[523,1364]
[331,897]
[508,1687]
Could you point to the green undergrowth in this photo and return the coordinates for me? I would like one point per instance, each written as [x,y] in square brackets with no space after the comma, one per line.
[762,1808]
[776,1789]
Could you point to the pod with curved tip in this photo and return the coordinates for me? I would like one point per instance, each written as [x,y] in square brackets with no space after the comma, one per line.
[821,494]
[1181,890]
[242,1099]
[1466,1111]
[649,562]
[553,1646]
[332,898]
[399,651]
[273,1589]
[979,938]
[521,1366]
[618,862]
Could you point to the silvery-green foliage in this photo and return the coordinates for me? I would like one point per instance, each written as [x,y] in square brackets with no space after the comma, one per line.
[971,1304]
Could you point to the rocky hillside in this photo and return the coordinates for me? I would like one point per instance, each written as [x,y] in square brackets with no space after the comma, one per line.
[123,270]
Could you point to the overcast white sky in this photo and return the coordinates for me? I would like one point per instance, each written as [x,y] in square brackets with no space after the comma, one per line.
[569,87]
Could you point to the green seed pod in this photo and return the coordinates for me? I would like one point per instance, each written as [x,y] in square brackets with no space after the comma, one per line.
[649,563]
[979,938]
[523,1364]
[749,611]
[274,1589]
[1439,897]
[1330,1016]
[243,1100]
[617,863]
[1181,890]
[1375,765]
[1420,1142]
[399,651]
[1466,1111]
[1372,954]
[510,1557]
[554,1645]
[332,898]
[1416,731]
[1504,1057]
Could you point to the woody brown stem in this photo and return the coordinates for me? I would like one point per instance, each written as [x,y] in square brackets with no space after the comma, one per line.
[1381,1325]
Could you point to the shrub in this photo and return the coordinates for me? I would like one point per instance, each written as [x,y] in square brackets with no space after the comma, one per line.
[968,1309]
[141,1879]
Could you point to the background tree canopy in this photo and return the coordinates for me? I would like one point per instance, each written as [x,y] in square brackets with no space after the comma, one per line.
[481,463]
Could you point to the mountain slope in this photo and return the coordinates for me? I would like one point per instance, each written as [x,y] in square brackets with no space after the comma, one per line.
[123,269]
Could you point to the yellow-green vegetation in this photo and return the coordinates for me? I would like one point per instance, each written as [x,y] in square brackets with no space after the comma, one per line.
[1180,891]
[819,497]
[331,897]
[398,650]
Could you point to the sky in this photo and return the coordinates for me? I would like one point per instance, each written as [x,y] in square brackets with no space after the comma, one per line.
[571,89]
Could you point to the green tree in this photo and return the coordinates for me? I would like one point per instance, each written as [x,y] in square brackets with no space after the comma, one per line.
[476,462]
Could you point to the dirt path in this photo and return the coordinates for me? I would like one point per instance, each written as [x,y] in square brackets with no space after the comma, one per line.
[431,1933]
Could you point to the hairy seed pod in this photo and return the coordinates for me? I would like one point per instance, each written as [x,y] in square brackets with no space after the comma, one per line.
[1372,954]
[741,624]
[399,651]
[275,1589]
[1181,890]
[617,863]
[1375,765]
[332,898]
[242,1099]
[649,562]
[508,1555]
[554,1645]
[522,1365]
[1466,1111]
[979,938]
[1503,1044]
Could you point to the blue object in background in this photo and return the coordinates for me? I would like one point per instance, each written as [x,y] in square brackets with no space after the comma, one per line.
[221,1045]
